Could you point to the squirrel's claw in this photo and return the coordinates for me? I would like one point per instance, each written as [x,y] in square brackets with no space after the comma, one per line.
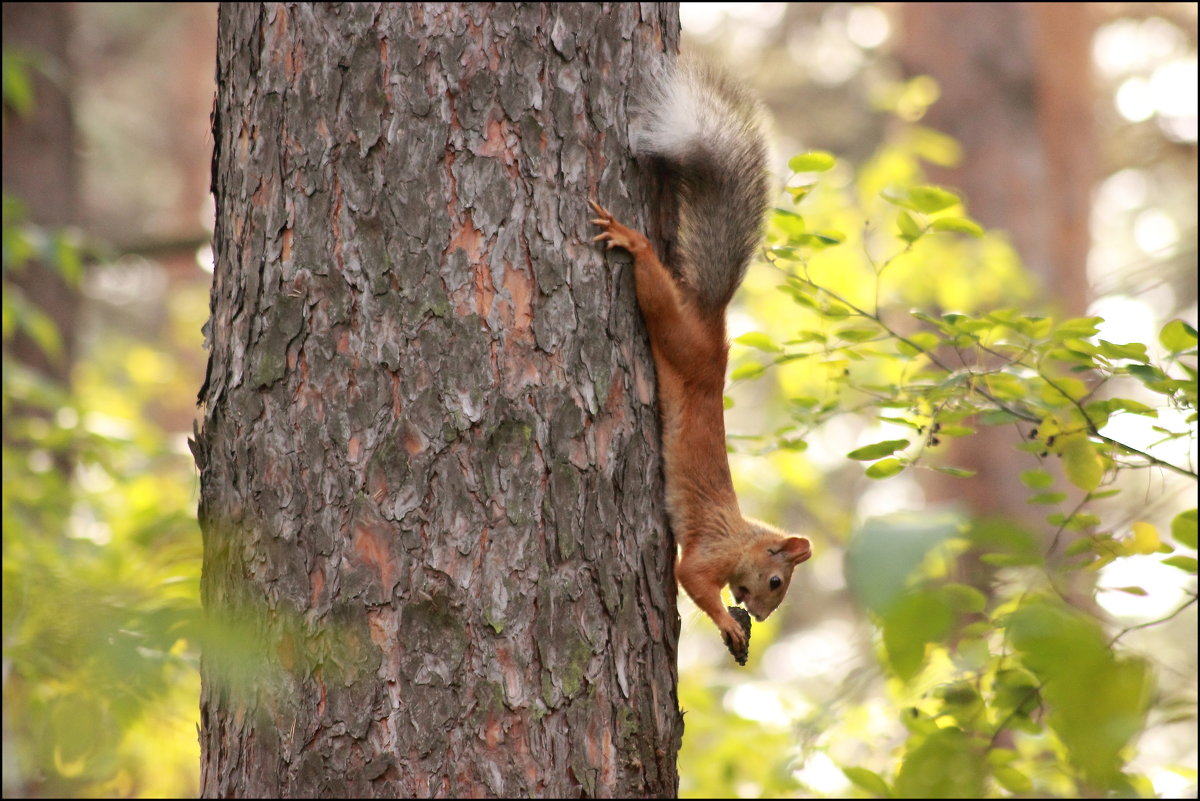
[616,234]
[603,212]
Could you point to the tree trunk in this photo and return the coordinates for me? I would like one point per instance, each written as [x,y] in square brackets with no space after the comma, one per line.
[1017,94]
[41,171]
[436,558]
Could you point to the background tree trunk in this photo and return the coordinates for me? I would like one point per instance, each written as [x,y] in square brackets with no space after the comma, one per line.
[41,172]
[435,557]
[1017,94]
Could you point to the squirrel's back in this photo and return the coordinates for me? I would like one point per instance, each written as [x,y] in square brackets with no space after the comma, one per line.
[707,129]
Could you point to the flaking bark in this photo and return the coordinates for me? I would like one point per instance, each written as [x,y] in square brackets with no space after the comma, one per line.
[436,559]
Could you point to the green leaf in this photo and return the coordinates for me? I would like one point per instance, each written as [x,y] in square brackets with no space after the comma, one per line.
[878,449]
[934,321]
[747,370]
[1079,327]
[812,161]
[1015,690]
[884,552]
[917,618]
[897,198]
[1098,413]
[1012,780]
[998,534]
[957,472]
[942,765]
[1184,563]
[1096,703]
[791,254]
[67,257]
[1006,386]
[857,333]
[1183,528]
[999,417]
[1134,351]
[900,421]
[1177,336]
[1081,545]
[1072,388]
[910,231]
[791,223]
[1036,479]
[964,598]
[1147,374]
[885,468]
[42,329]
[954,431]
[929,199]
[819,240]
[868,780]
[1081,521]
[958,225]
[798,193]
[1081,462]
[18,86]
[925,340]
[756,339]
[1132,406]
[935,146]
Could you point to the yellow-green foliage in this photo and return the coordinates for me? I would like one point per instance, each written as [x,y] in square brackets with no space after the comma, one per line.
[101,562]
[890,303]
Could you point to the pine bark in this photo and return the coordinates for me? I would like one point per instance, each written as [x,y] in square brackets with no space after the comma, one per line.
[436,556]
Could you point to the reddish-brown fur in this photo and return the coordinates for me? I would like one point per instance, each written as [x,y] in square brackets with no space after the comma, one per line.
[690,351]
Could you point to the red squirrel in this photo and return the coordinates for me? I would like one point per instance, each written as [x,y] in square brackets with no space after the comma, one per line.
[706,132]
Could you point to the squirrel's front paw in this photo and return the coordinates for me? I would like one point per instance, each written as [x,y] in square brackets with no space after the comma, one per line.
[617,235]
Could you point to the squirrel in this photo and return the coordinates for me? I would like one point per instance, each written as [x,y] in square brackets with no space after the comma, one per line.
[705,130]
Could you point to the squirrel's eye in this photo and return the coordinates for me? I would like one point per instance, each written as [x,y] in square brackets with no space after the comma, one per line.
[775,582]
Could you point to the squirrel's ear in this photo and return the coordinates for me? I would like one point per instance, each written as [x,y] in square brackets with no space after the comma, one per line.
[796,549]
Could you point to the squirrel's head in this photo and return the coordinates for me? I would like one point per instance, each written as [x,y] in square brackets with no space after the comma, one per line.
[762,576]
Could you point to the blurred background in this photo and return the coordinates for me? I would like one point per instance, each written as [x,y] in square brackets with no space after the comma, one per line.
[1071,128]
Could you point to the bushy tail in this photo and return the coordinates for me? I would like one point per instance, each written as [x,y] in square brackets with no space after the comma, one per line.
[708,130]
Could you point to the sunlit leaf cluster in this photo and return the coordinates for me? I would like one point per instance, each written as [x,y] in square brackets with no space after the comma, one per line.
[895,307]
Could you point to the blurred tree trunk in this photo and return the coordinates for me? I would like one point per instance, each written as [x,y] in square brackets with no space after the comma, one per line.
[41,179]
[1017,94]
[436,562]
[41,172]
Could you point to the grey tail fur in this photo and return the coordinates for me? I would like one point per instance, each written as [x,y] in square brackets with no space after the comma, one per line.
[708,130]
